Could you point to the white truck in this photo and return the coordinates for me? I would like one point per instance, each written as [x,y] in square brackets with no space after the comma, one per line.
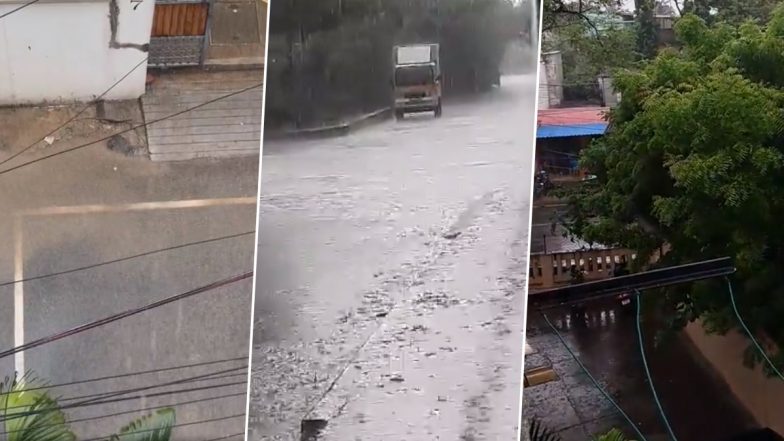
[417,79]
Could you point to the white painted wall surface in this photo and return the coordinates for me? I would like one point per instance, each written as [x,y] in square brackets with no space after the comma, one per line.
[544,90]
[56,51]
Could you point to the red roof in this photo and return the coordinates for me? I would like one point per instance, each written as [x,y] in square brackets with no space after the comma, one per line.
[571,116]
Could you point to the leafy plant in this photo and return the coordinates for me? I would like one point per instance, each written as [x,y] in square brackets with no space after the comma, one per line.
[153,427]
[537,432]
[694,161]
[612,435]
[29,413]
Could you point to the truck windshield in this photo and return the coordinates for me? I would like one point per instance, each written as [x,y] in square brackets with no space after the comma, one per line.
[414,76]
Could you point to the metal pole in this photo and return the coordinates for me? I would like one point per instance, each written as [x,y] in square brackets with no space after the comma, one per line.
[19,364]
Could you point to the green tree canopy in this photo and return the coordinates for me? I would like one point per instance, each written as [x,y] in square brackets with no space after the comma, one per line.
[591,42]
[695,160]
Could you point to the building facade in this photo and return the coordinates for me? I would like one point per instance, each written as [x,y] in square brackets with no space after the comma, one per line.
[61,51]
[65,51]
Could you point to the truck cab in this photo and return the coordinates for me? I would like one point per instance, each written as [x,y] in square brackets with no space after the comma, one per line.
[417,80]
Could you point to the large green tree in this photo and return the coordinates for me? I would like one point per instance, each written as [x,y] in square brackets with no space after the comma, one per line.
[591,42]
[694,163]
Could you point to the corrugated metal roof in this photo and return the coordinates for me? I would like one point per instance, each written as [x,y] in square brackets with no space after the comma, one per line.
[571,115]
[573,130]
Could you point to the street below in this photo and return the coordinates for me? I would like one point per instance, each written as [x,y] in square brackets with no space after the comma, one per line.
[390,279]
[110,218]
[697,403]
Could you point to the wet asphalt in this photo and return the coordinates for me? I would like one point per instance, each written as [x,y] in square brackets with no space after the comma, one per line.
[390,276]
[204,328]
[697,403]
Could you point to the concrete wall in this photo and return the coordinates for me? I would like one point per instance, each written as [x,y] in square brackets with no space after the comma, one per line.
[544,92]
[554,269]
[550,80]
[760,395]
[610,96]
[56,51]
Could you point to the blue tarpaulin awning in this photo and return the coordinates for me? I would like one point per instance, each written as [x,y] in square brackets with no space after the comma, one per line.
[569,131]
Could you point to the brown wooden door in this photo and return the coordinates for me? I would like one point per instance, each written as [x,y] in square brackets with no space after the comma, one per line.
[180,20]
[178,33]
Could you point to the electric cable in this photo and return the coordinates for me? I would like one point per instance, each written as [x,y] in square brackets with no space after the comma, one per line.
[84,399]
[87,399]
[19,8]
[647,370]
[126,258]
[593,380]
[119,316]
[71,119]
[748,331]
[137,411]
[128,374]
[132,128]
[228,436]
[211,420]
[121,399]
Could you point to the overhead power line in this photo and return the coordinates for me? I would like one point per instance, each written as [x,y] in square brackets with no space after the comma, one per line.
[83,400]
[121,399]
[126,258]
[69,120]
[234,435]
[125,314]
[139,411]
[746,329]
[129,374]
[665,420]
[18,9]
[593,380]
[132,128]
[211,420]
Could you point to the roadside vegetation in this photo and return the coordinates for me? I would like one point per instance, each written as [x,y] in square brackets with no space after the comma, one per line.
[329,59]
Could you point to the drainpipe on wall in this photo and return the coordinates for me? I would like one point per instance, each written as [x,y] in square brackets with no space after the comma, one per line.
[114,24]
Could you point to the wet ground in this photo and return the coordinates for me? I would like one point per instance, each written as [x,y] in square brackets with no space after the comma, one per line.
[698,404]
[390,276]
[209,327]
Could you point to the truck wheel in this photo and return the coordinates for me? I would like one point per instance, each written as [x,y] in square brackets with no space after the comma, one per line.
[438,111]
[398,114]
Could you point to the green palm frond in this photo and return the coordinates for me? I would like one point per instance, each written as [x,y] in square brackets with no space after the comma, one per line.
[157,426]
[612,435]
[537,432]
[31,415]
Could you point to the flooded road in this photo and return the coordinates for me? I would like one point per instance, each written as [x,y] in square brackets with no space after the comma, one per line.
[390,275]
[697,403]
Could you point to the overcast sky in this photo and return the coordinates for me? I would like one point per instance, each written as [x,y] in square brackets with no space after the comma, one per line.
[629,5]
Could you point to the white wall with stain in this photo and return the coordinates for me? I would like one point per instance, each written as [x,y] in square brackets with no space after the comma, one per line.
[57,51]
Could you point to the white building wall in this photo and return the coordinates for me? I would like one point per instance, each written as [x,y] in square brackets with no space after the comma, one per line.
[56,51]
[544,91]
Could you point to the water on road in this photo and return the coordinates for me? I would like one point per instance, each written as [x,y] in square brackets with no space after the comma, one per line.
[390,276]
[697,403]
